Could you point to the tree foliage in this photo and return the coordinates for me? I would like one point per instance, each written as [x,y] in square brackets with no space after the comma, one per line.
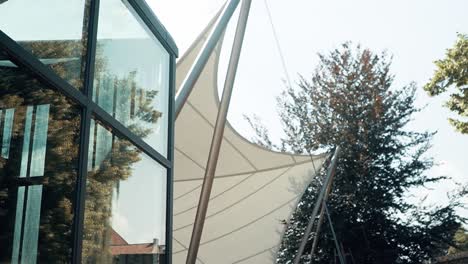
[349,102]
[452,71]
[20,90]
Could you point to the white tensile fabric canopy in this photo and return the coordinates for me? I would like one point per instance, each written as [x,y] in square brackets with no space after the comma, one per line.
[255,190]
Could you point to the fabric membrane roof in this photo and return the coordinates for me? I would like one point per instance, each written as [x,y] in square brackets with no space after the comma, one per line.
[254,190]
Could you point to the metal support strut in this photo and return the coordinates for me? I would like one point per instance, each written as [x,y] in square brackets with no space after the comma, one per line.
[202,58]
[317,232]
[218,134]
[323,195]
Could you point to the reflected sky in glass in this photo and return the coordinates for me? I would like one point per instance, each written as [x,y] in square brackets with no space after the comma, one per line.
[125,198]
[132,74]
[138,211]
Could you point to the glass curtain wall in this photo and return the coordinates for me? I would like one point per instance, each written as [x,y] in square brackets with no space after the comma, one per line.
[38,169]
[86,132]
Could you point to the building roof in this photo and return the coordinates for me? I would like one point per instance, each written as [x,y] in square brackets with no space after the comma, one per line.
[119,246]
[135,249]
[117,239]
[254,191]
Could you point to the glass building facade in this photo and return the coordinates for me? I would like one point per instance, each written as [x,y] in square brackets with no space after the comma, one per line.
[86,132]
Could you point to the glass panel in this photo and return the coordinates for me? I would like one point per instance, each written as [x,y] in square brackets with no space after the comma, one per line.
[18,223]
[31,225]
[8,123]
[40,140]
[53,32]
[38,169]
[132,74]
[125,202]
[26,141]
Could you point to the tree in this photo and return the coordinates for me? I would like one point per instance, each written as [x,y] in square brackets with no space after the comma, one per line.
[452,71]
[350,102]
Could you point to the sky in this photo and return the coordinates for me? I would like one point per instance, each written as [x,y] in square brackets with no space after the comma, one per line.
[415,33]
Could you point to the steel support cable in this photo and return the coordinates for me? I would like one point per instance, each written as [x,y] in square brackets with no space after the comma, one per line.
[239,152]
[252,173]
[317,230]
[253,255]
[202,58]
[218,133]
[224,138]
[317,234]
[217,195]
[190,158]
[251,222]
[239,200]
[185,247]
[248,172]
[278,46]
[321,197]
[245,225]
[187,192]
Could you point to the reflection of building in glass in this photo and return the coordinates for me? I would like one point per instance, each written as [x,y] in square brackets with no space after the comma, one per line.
[32,165]
[84,134]
[125,253]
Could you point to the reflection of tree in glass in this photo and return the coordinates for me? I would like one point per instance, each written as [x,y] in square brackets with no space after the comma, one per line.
[133,106]
[100,186]
[64,58]
[19,90]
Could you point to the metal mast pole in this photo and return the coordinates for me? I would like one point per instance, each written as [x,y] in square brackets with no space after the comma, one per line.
[202,58]
[317,232]
[323,195]
[218,133]
[320,221]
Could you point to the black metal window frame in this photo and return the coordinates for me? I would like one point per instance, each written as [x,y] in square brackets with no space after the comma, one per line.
[90,109]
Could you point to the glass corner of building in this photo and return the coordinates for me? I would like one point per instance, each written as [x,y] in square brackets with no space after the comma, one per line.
[86,132]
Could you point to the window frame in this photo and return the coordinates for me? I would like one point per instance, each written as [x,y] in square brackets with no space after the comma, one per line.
[90,109]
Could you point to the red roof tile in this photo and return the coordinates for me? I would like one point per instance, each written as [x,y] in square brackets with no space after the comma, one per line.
[146,248]
[117,239]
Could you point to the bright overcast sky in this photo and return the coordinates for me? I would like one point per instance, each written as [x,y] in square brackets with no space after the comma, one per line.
[415,32]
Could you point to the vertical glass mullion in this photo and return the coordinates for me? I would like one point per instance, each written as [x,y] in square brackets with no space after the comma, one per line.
[85,130]
[170,155]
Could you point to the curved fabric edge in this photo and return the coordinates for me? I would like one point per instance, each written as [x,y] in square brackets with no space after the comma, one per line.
[252,197]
